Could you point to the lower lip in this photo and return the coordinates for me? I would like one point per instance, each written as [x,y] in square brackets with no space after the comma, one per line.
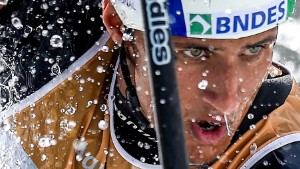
[207,137]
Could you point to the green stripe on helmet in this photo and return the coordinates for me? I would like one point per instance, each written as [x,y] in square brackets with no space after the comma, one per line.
[291,8]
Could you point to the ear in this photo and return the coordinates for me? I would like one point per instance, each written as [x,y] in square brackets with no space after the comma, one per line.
[112,21]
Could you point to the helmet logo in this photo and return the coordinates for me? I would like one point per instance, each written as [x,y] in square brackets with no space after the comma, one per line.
[200,24]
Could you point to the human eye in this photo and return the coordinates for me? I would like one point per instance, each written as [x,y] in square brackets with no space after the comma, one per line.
[195,53]
[251,51]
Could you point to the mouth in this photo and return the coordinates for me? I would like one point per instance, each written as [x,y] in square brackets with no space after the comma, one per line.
[208,132]
[208,126]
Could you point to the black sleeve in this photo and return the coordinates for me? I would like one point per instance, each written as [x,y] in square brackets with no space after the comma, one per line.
[286,157]
[41,38]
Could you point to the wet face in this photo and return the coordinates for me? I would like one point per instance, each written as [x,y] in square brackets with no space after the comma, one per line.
[217,81]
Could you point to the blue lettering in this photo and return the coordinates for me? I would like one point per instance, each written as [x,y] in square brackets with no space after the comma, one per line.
[281,10]
[254,19]
[223,25]
[238,21]
[271,14]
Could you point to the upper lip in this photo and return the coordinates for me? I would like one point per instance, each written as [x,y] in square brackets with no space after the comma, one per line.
[210,119]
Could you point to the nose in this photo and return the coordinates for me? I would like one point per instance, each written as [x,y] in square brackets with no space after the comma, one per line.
[225,95]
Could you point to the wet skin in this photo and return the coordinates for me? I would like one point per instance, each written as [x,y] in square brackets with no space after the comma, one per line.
[234,70]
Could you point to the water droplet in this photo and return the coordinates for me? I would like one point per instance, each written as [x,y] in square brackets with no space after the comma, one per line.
[140,144]
[104,49]
[157,72]
[203,84]
[16,22]
[55,69]
[48,121]
[45,33]
[33,116]
[218,118]
[266,163]
[31,146]
[253,148]
[127,37]
[252,126]
[44,142]
[102,125]
[72,124]
[70,110]
[27,31]
[250,116]
[60,20]
[143,159]
[162,101]
[146,146]
[53,142]
[43,157]
[111,154]
[203,58]
[103,107]
[56,41]
[44,6]
[79,145]
[78,157]
[66,125]
[100,69]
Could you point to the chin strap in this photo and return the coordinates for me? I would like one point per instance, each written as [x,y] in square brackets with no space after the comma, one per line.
[131,94]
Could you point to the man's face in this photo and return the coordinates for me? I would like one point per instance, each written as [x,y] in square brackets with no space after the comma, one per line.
[217,81]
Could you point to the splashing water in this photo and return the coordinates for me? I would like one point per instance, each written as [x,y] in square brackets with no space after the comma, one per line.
[102,125]
[56,41]
[104,49]
[3,2]
[127,37]
[229,132]
[16,22]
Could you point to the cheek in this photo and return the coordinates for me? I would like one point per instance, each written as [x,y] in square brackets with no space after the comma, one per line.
[255,75]
[187,81]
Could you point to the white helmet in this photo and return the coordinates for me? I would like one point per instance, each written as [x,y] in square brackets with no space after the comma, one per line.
[213,19]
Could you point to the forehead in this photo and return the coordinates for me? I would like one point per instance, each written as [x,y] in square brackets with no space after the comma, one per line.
[267,35]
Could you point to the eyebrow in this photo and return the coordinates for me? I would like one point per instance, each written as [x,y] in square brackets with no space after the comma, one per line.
[195,45]
[265,40]
[208,47]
